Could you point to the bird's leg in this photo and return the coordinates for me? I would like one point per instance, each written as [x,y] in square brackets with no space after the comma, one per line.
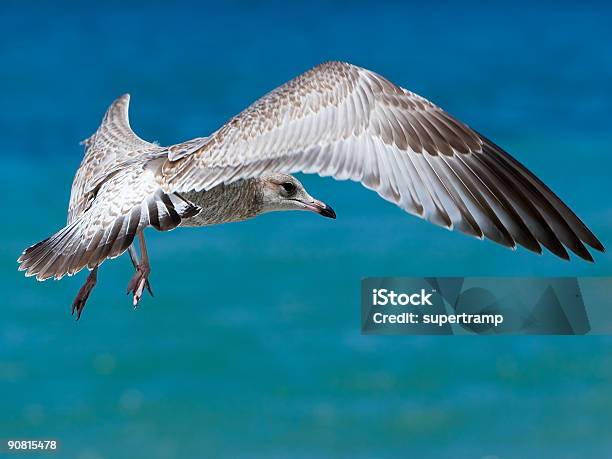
[79,302]
[139,280]
[135,263]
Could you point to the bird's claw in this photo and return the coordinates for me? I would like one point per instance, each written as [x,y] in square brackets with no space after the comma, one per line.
[81,299]
[148,286]
[138,283]
[78,305]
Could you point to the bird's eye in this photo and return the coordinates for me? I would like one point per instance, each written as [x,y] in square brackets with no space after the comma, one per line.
[288,187]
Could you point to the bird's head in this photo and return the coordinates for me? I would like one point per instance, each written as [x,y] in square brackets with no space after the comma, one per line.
[285,192]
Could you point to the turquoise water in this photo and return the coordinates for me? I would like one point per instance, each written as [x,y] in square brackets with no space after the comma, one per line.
[251,346]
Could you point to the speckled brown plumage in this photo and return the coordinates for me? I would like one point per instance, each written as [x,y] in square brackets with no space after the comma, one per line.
[244,197]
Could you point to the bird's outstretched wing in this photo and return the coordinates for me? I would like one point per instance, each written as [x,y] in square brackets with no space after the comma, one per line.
[110,148]
[350,123]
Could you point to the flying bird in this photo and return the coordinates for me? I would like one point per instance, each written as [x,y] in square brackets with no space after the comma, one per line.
[335,120]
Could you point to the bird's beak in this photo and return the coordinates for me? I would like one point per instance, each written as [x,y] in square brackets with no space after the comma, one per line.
[318,207]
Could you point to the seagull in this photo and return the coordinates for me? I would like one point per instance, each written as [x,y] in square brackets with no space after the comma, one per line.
[337,120]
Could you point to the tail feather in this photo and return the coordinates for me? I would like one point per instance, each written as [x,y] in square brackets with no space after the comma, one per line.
[86,243]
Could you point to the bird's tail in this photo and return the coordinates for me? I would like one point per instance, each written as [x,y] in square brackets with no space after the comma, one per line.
[99,234]
[54,256]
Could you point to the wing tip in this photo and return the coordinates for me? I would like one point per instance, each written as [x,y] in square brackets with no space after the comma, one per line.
[596,244]
[123,100]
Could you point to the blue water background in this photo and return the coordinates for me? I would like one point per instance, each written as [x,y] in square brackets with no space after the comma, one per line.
[251,347]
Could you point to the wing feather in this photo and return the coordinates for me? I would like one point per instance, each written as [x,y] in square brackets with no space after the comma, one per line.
[110,148]
[350,123]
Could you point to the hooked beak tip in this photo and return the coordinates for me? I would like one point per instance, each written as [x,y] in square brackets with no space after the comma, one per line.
[318,207]
[327,211]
